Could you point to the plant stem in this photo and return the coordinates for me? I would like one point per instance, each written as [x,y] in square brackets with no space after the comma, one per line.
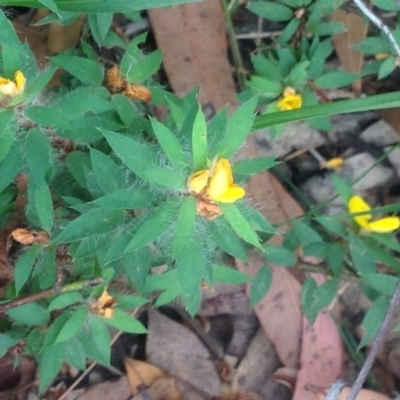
[237,58]
[70,287]
[376,344]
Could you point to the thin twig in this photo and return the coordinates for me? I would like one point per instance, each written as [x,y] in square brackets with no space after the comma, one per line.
[379,24]
[71,287]
[257,35]
[376,344]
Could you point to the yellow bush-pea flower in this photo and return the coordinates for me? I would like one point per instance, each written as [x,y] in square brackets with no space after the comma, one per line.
[334,163]
[383,225]
[13,88]
[216,184]
[290,100]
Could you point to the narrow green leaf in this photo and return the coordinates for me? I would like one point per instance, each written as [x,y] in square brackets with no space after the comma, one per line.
[64,300]
[184,224]
[136,156]
[237,129]
[8,35]
[375,102]
[222,273]
[199,141]
[168,295]
[136,266]
[252,166]
[125,323]
[98,6]
[170,145]
[256,219]
[385,284]
[39,82]
[335,79]
[51,361]
[163,177]
[50,4]
[29,314]
[335,258]
[85,70]
[145,67]
[96,221]
[10,166]
[157,223]
[6,342]
[279,255]
[260,285]
[73,325]
[270,10]
[44,206]
[23,267]
[128,199]
[360,255]
[8,131]
[239,224]
[373,319]
[101,337]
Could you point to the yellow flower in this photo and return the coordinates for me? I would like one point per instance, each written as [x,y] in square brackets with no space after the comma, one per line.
[289,100]
[13,88]
[105,304]
[216,184]
[334,163]
[388,224]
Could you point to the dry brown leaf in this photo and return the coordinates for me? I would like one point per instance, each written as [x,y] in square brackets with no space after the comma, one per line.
[279,311]
[364,394]
[28,237]
[141,373]
[109,390]
[179,352]
[356,30]
[162,389]
[391,116]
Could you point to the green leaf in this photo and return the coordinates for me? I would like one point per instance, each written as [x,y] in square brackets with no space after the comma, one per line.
[199,141]
[335,79]
[8,35]
[100,25]
[98,6]
[48,117]
[29,314]
[260,286]
[360,255]
[266,68]
[190,264]
[237,129]
[222,273]
[168,295]
[252,166]
[373,319]
[279,255]
[317,249]
[44,206]
[74,354]
[78,163]
[38,156]
[145,68]
[136,266]
[51,361]
[387,67]
[239,224]
[107,173]
[170,145]
[136,156]
[128,199]
[343,187]
[184,224]
[40,82]
[305,233]
[125,322]
[267,88]
[271,11]
[101,337]
[163,177]
[157,223]
[50,4]
[332,224]
[335,258]
[23,267]
[128,301]
[256,219]
[64,300]
[73,325]
[96,221]
[6,342]
[385,284]
[8,130]
[223,236]
[85,70]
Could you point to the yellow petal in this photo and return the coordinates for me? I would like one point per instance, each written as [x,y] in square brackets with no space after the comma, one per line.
[334,163]
[231,195]
[20,80]
[221,179]
[8,87]
[198,181]
[357,204]
[383,225]
[289,100]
